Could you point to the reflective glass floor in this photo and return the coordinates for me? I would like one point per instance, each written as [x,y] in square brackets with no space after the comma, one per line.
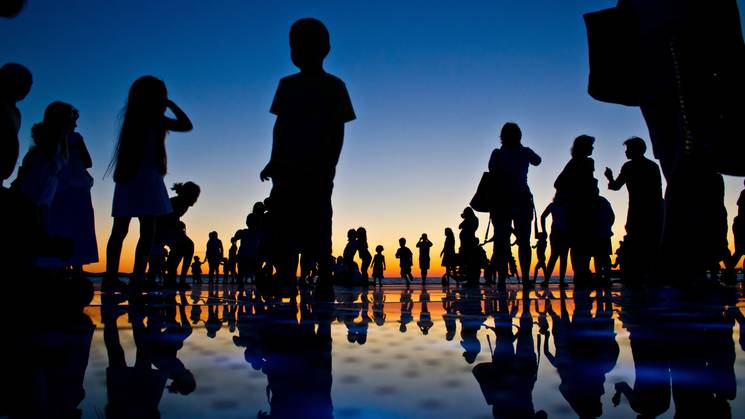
[410,353]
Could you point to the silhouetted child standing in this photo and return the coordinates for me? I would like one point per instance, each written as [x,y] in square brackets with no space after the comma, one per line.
[406,261]
[540,252]
[424,245]
[350,250]
[196,270]
[364,252]
[378,265]
[232,260]
[214,256]
[139,167]
[248,253]
[312,107]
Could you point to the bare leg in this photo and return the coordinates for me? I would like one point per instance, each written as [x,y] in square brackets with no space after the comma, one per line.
[147,235]
[114,247]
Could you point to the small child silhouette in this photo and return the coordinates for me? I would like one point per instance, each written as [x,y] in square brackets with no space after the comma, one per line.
[378,265]
[540,252]
[214,256]
[196,270]
[406,257]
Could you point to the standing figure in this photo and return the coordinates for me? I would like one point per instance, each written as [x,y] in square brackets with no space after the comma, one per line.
[577,187]
[641,176]
[540,253]
[603,231]
[139,166]
[378,265]
[15,83]
[424,245]
[196,270]
[71,213]
[364,252]
[312,107]
[559,239]
[509,164]
[214,256]
[448,256]
[232,260]
[469,247]
[406,260]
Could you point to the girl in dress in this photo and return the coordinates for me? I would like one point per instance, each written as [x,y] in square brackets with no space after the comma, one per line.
[139,166]
[378,264]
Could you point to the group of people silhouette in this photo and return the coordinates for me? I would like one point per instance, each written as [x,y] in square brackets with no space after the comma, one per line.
[48,213]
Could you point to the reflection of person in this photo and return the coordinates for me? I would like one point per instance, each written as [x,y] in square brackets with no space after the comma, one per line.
[425,319]
[507,381]
[510,164]
[312,107]
[139,166]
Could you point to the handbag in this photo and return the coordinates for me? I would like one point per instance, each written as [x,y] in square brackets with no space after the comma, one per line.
[613,43]
[487,191]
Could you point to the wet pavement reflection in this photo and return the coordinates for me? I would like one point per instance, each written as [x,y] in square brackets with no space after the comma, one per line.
[221,351]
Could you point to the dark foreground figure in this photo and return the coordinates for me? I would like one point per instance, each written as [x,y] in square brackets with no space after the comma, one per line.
[312,107]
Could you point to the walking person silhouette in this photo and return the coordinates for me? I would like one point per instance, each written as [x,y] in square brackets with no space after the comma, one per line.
[424,245]
[312,107]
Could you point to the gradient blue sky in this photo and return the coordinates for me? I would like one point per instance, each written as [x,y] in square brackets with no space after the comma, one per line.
[431,81]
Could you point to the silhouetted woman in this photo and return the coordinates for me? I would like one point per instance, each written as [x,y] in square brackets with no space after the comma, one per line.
[139,166]
[71,214]
[577,187]
[38,176]
[448,256]
[509,164]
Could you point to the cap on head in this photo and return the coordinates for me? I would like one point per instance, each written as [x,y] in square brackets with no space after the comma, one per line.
[309,43]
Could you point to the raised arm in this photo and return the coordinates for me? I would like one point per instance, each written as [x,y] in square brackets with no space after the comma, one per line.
[182,123]
[615,184]
[545,215]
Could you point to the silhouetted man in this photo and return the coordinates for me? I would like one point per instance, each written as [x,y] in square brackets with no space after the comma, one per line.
[644,220]
[312,107]
[685,46]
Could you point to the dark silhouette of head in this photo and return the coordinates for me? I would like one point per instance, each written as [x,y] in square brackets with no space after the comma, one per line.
[233,240]
[196,258]
[511,134]
[251,221]
[424,236]
[351,234]
[379,249]
[15,82]
[213,234]
[188,191]
[402,242]
[58,123]
[362,234]
[143,113]
[468,213]
[11,8]
[635,147]
[258,207]
[309,44]
[583,146]
[449,233]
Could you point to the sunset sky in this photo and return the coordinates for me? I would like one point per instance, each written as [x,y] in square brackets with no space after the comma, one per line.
[431,82]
